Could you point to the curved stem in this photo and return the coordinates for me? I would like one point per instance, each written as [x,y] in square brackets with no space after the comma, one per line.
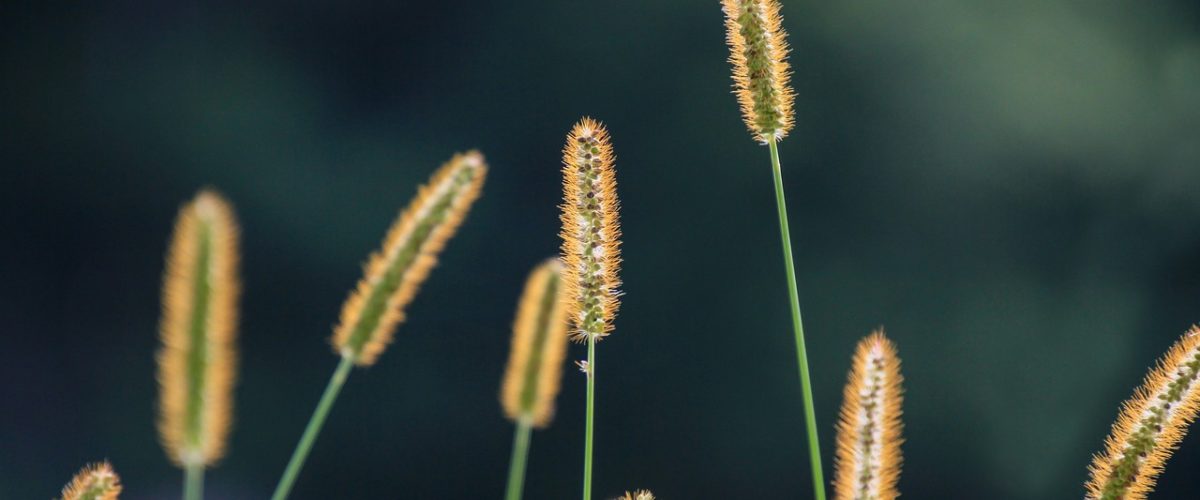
[810,417]
[314,427]
[193,481]
[520,455]
[587,443]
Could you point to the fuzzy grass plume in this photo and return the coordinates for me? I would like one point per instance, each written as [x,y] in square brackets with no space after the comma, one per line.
[531,380]
[637,495]
[390,281]
[591,231]
[539,346]
[196,364]
[1150,425]
[758,51]
[93,482]
[409,252]
[868,460]
[591,251]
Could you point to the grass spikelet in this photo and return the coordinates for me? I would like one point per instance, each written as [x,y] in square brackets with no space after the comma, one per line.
[758,51]
[396,271]
[390,281]
[196,364]
[637,495]
[868,460]
[93,482]
[591,232]
[539,346]
[1150,425]
[591,252]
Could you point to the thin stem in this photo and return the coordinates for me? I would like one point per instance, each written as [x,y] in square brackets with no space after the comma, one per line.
[314,427]
[810,417]
[520,455]
[193,481]
[587,443]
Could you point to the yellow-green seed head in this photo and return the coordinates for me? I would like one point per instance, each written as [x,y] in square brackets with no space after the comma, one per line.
[395,273]
[591,232]
[539,346]
[758,51]
[197,361]
[94,482]
[868,460]
[1150,426]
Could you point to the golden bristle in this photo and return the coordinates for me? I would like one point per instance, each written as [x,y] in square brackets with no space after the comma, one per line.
[868,459]
[93,482]
[409,252]
[591,232]
[539,345]
[197,361]
[758,51]
[1150,425]
[637,495]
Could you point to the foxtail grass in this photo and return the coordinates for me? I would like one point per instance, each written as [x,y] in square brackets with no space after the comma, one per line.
[591,253]
[539,346]
[197,361]
[391,279]
[637,495]
[868,460]
[93,482]
[758,51]
[1150,425]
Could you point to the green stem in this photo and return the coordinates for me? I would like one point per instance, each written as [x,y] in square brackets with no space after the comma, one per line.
[520,455]
[193,481]
[587,443]
[810,417]
[314,427]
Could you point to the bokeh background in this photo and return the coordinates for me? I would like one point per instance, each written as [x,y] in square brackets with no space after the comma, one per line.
[1011,188]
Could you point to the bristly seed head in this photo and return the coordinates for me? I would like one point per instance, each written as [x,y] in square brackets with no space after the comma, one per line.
[93,482]
[758,51]
[591,232]
[409,252]
[637,495]
[197,360]
[867,465]
[1150,426]
[539,346]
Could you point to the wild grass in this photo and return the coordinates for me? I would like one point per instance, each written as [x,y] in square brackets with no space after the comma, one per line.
[575,297]
[391,280]
[591,252]
[867,464]
[196,364]
[539,346]
[758,51]
[1150,425]
[637,495]
[93,482]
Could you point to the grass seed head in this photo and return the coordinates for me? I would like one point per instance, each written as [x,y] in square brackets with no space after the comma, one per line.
[539,347]
[394,273]
[1150,425]
[197,360]
[591,231]
[93,482]
[758,51]
[867,465]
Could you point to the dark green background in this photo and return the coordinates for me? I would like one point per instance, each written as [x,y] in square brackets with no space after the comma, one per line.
[1012,188]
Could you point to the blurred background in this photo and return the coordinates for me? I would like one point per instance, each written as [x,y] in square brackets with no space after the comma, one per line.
[1009,187]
